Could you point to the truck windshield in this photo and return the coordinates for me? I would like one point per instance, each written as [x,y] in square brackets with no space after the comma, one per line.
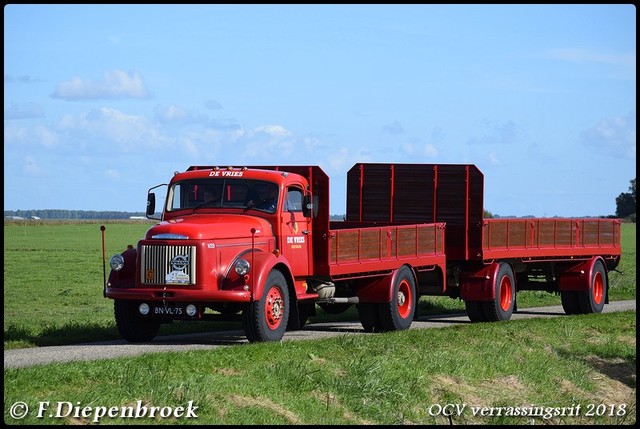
[223,193]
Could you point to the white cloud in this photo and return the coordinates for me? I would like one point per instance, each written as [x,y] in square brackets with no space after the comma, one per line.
[213,105]
[168,114]
[116,84]
[273,130]
[614,136]
[493,159]
[112,174]
[430,151]
[393,128]
[24,111]
[584,56]
[39,135]
[503,133]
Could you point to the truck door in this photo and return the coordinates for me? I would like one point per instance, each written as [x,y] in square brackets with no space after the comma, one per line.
[296,232]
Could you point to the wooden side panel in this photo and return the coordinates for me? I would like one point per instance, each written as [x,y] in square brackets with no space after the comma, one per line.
[554,237]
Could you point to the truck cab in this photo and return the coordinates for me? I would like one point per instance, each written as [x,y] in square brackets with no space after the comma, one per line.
[221,234]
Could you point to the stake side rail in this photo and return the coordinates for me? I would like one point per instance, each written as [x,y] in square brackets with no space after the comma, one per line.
[550,238]
[357,251]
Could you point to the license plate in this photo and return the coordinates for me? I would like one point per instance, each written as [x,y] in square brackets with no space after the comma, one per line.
[168,310]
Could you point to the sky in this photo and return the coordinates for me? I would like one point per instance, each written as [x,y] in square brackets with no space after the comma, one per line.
[103,102]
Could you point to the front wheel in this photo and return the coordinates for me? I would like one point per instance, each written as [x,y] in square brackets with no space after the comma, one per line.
[266,319]
[133,327]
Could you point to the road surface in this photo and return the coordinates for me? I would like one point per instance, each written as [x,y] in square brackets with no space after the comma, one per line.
[20,358]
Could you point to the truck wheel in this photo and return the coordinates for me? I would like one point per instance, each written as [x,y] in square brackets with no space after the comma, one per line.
[501,307]
[369,317]
[475,311]
[266,319]
[398,314]
[592,300]
[133,327]
[570,302]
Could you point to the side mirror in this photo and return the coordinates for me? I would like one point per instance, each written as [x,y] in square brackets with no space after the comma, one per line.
[151,204]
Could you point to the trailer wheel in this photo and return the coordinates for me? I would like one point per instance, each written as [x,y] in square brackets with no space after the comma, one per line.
[501,307]
[133,327]
[475,311]
[592,300]
[266,319]
[369,317]
[398,314]
[570,302]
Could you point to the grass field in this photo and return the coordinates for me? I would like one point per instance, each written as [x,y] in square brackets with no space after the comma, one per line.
[53,283]
[563,370]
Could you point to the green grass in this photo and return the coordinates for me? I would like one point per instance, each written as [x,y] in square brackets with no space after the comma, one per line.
[392,378]
[53,282]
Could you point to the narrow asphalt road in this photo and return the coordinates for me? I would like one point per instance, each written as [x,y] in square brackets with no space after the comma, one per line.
[20,358]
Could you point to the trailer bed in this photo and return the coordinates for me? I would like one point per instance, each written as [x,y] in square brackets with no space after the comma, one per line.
[545,238]
[356,251]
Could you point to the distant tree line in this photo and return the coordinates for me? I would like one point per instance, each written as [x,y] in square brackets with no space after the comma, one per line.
[69,214]
[626,203]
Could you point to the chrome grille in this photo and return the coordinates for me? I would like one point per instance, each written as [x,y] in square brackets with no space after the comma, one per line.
[156,264]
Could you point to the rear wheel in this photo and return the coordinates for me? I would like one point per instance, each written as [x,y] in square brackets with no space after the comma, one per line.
[369,317]
[475,311]
[501,307]
[592,300]
[570,302]
[398,314]
[132,326]
[266,319]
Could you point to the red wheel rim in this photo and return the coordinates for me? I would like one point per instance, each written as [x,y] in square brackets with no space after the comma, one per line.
[274,307]
[404,299]
[598,288]
[506,292]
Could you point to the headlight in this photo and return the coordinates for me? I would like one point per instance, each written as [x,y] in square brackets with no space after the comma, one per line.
[116,262]
[242,267]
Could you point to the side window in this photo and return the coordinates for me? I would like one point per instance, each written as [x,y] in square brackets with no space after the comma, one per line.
[293,203]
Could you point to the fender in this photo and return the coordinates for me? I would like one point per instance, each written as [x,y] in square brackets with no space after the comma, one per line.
[380,289]
[125,278]
[578,277]
[262,264]
[479,285]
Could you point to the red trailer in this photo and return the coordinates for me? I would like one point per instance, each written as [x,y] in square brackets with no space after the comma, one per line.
[265,250]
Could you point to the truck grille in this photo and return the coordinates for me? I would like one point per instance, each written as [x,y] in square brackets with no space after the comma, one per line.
[168,265]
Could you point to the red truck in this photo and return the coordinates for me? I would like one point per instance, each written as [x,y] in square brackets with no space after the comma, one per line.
[257,244]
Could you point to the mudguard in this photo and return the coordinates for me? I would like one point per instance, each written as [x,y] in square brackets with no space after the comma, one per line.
[261,265]
[380,289]
[578,277]
[479,285]
[125,278]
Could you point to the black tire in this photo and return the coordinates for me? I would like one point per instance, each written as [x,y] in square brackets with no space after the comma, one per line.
[592,300]
[133,327]
[501,307]
[570,302]
[397,315]
[305,309]
[369,317]
[266,319]
[475,311]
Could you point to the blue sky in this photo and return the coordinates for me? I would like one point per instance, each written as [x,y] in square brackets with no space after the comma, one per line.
[103,102]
